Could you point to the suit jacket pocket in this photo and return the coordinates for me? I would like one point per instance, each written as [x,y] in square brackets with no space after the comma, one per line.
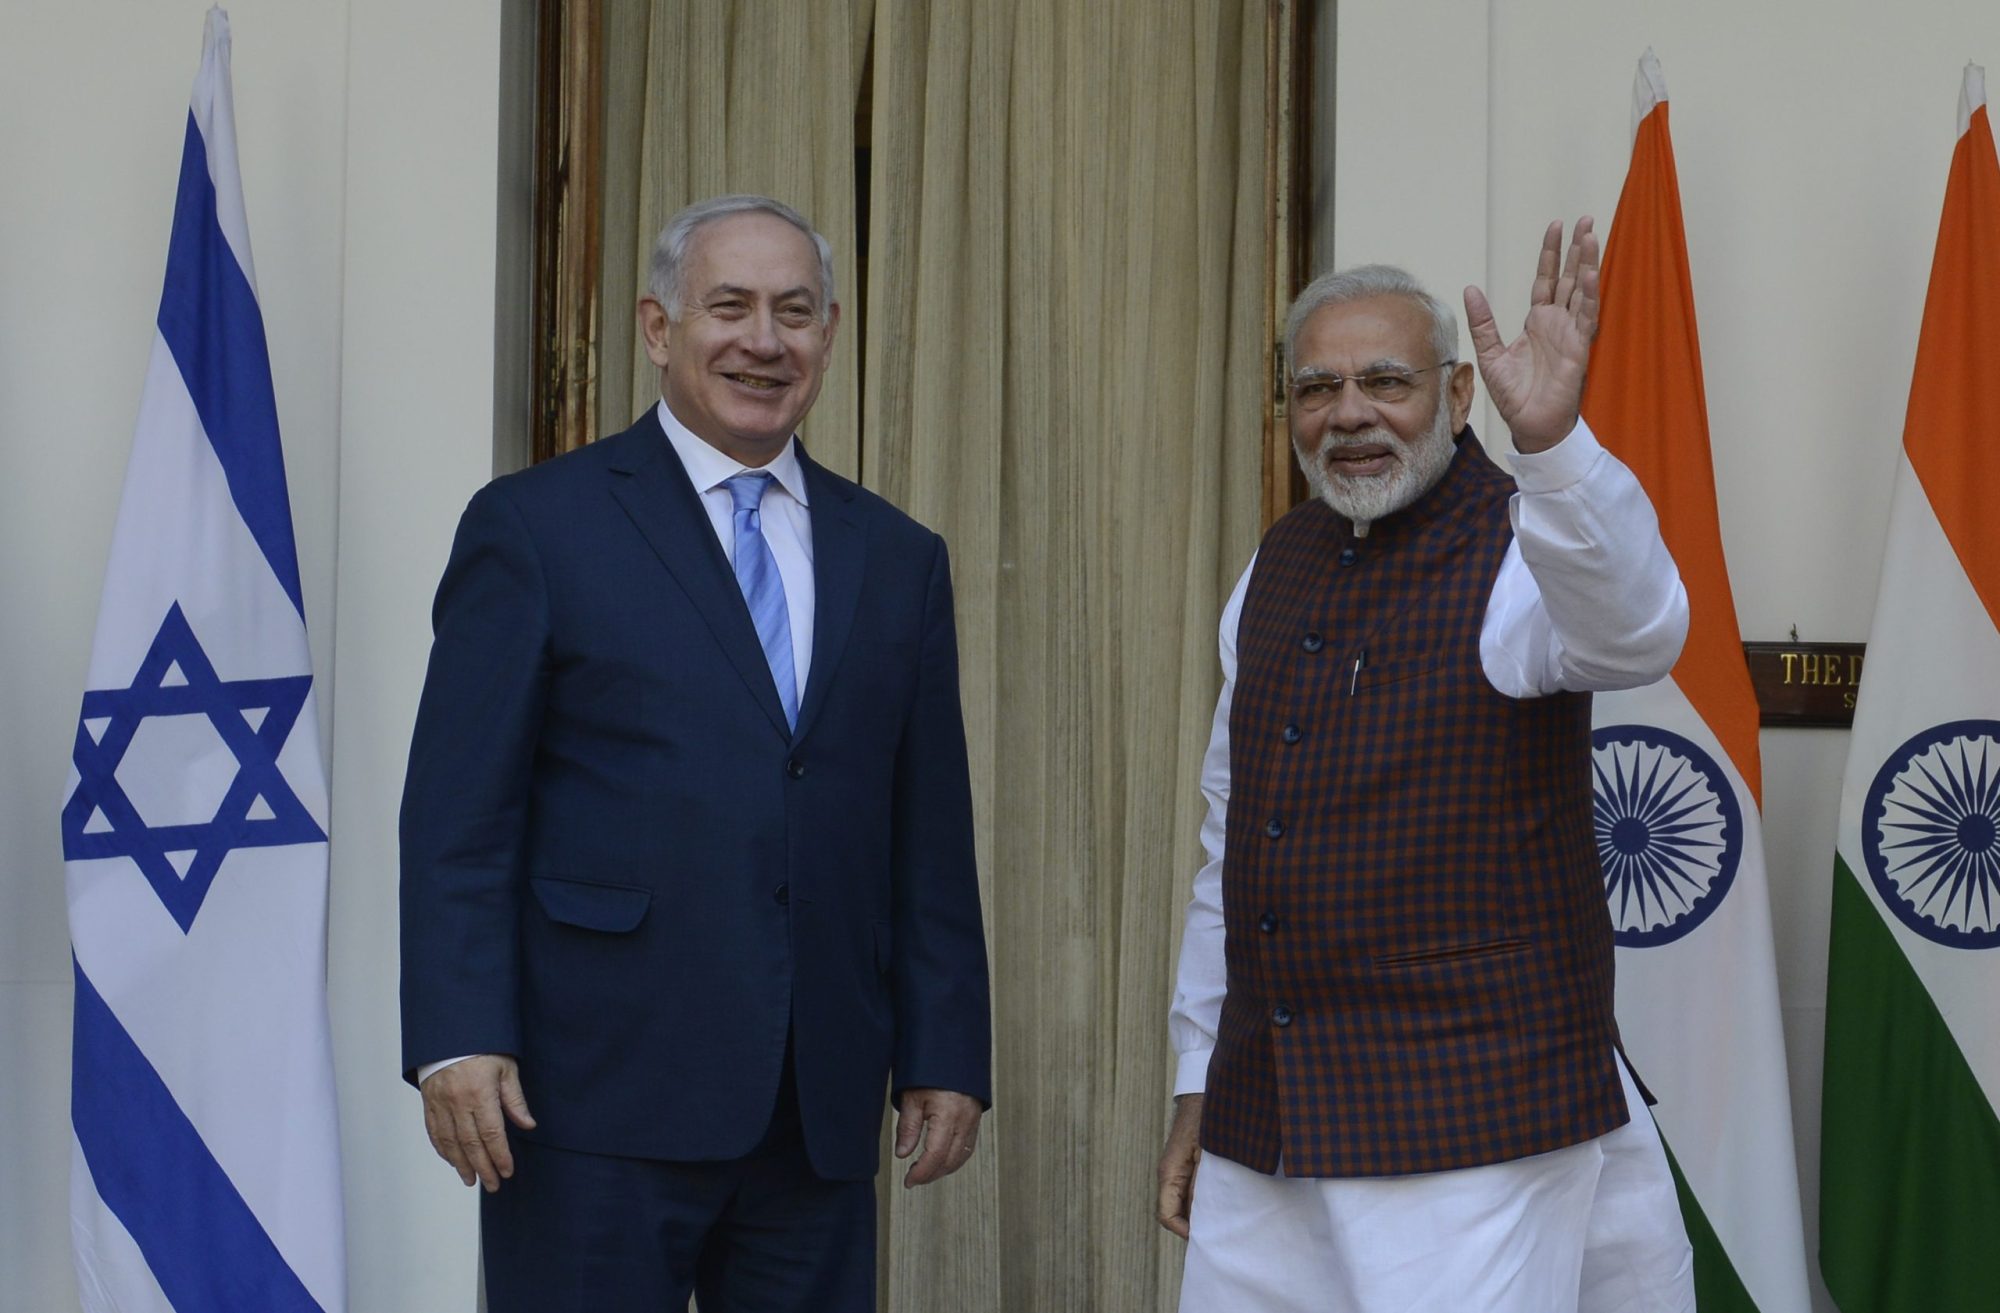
[610,908]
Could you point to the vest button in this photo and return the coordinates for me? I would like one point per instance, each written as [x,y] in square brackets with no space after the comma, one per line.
[1348,556]
[1292,734]
[782,895]
[1312,642]
[1268,923]
[1275,828]
[1281,1015]
[795,769]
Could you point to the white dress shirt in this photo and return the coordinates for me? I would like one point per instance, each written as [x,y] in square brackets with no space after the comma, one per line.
[1587,598]
[787,524]
[786,518]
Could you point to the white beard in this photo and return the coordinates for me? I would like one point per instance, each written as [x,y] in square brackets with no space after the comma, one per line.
[1366,498]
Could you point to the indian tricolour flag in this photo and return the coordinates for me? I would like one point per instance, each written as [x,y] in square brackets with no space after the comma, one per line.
[1910,1145]
[206,1166]
[1678,785]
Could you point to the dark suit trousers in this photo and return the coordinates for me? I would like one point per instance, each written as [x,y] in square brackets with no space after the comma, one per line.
[591,1233]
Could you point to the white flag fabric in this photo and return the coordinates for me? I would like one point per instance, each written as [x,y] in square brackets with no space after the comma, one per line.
[1678,779]
[206,1165]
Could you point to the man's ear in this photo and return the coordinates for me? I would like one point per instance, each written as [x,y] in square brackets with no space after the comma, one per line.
[832,328]
[655,328]
[1459,392]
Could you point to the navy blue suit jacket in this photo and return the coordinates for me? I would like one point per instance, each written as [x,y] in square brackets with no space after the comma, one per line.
[621,866]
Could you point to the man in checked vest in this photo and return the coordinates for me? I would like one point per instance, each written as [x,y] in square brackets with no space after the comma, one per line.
[1399,1072]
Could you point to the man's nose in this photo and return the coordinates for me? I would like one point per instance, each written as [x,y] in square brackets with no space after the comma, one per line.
[762,338]
[1351,411]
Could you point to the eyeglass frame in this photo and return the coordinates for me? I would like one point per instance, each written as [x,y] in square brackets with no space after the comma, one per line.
[1338,381]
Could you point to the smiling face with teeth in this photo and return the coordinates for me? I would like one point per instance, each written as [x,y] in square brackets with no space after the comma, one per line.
[742,358]
[1366,458]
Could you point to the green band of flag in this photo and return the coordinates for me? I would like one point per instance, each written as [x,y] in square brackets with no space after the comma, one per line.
[1717,1288]
[1910,1146]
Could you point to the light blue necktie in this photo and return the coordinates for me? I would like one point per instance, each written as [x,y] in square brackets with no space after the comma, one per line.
[757,576]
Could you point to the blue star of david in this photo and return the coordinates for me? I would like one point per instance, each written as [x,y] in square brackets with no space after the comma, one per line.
[257,774]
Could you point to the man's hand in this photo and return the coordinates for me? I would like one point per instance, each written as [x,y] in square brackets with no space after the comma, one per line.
[1536,381]
[949,1124]
[462,1111]
[1178,1164]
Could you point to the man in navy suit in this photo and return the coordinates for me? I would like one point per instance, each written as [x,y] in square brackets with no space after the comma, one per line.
[687,833]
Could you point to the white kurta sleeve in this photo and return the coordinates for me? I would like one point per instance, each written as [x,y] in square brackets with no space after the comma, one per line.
[1588,597]
[1203,976]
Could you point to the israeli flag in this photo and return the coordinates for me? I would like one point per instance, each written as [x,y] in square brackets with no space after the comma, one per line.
[206,1165]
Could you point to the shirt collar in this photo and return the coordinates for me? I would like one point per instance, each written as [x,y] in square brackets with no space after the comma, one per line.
[709,468]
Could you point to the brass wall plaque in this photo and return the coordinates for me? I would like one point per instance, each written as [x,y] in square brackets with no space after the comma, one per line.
[1805,685]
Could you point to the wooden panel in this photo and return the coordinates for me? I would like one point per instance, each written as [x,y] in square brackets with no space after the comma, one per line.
[1805,685]
[1288,46]
[569,197]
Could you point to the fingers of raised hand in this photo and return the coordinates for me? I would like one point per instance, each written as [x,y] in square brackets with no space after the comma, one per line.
[1479,322]
[1579,277]
[1586,280]
[1565,290]
[1547,264]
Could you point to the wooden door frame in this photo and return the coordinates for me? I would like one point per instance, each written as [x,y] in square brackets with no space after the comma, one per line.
[569,206]
[1289,45]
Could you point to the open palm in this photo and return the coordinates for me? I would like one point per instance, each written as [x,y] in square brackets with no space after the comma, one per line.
[1536,381]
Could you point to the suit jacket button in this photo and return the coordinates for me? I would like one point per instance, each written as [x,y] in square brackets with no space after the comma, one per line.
[1275,828]
[782,895]
[795,768]
[1312,642]
[1268,923]
[1292,734]
[1281,1015]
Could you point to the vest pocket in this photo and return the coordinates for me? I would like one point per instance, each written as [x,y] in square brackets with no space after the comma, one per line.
[1449,953]
[1430,999]
[1390,666]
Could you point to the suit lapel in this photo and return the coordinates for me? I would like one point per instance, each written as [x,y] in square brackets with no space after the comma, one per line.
[648,481]
[840,554]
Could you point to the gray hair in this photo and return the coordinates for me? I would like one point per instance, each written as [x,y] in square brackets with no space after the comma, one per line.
[664,271]
[1359,283]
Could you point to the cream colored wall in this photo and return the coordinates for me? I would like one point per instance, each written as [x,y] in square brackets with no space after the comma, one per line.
[417,437]
[1812,140]
[369,136]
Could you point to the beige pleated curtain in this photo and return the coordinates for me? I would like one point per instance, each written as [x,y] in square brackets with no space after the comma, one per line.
[1062,373]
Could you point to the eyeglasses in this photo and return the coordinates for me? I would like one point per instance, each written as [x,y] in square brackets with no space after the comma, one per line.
[1317,389]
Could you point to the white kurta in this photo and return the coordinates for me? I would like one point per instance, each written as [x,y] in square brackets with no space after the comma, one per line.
[1587,599]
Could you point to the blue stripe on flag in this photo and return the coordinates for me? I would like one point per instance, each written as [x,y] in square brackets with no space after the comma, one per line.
[211,323]
[206,1249]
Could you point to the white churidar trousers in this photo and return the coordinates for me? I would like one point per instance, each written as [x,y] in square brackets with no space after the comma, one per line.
[1593,1227]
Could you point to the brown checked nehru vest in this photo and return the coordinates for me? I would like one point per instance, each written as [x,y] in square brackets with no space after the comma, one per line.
[1419,954]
